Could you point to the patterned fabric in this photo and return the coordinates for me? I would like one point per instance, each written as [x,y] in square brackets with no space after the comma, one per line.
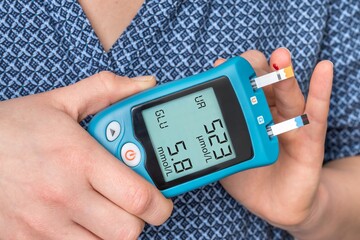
[50,43]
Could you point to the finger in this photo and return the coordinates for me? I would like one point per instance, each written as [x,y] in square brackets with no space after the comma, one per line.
[258,61]
[75,231]
[104,219]
[127,189]
[270,96]
[97,92]
[318,100]
[289,99]
[219,62]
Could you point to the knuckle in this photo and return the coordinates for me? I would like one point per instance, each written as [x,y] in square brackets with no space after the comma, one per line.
[107,80]
[136,230]
[140,198]
[256,58]
[71,157]
[34,223]
[56,189]
[163,214]
[257,54]
[52,195]
[105,75]
[130,232]
[169,211]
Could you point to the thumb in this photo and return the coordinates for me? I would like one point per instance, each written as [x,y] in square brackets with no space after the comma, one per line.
[97,92]
[318,100]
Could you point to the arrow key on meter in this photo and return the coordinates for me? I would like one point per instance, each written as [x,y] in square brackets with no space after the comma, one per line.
[130,154]
[113,131]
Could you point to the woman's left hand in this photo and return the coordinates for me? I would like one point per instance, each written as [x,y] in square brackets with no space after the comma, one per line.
[287,193]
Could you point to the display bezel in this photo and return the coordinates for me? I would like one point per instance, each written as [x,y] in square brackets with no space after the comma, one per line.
[234,120]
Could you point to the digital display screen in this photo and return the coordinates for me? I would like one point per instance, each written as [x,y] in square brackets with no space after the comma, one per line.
[188,134]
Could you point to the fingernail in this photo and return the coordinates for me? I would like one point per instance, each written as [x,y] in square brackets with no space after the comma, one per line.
[331,62]
[145,82]
[144,79]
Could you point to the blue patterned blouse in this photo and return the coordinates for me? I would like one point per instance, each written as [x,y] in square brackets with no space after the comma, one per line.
[45,44]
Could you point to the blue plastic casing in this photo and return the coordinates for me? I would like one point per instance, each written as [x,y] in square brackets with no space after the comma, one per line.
[257,117]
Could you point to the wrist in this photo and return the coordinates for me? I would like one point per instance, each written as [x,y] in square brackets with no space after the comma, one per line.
[331,215]
[310,227]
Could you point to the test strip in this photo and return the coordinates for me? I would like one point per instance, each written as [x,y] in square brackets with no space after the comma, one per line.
[287,125]
[273,77]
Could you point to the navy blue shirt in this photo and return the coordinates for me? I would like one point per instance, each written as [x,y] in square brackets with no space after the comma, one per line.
[50,43]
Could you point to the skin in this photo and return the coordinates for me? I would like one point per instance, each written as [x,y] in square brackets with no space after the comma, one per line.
[297,193]
[109,18]
[57,182]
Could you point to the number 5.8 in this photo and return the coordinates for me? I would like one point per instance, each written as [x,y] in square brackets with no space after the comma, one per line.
[181,165]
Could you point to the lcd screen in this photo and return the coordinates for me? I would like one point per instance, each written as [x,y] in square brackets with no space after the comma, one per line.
[188,134]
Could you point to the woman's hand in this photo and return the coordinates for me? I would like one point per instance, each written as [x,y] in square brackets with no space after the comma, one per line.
[57,182]
[288,192]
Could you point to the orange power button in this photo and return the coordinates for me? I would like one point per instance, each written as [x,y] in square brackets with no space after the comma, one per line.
[130,154]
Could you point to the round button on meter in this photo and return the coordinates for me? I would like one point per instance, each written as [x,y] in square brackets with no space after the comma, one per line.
[113,131]
[130,154]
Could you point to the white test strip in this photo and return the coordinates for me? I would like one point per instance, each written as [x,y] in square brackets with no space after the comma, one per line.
[287,125]
[272,77]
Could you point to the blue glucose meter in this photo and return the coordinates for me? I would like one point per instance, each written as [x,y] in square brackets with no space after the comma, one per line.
[191,132]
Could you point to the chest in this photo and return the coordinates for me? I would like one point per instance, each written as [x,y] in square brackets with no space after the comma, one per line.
[110,18]
[49,44]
